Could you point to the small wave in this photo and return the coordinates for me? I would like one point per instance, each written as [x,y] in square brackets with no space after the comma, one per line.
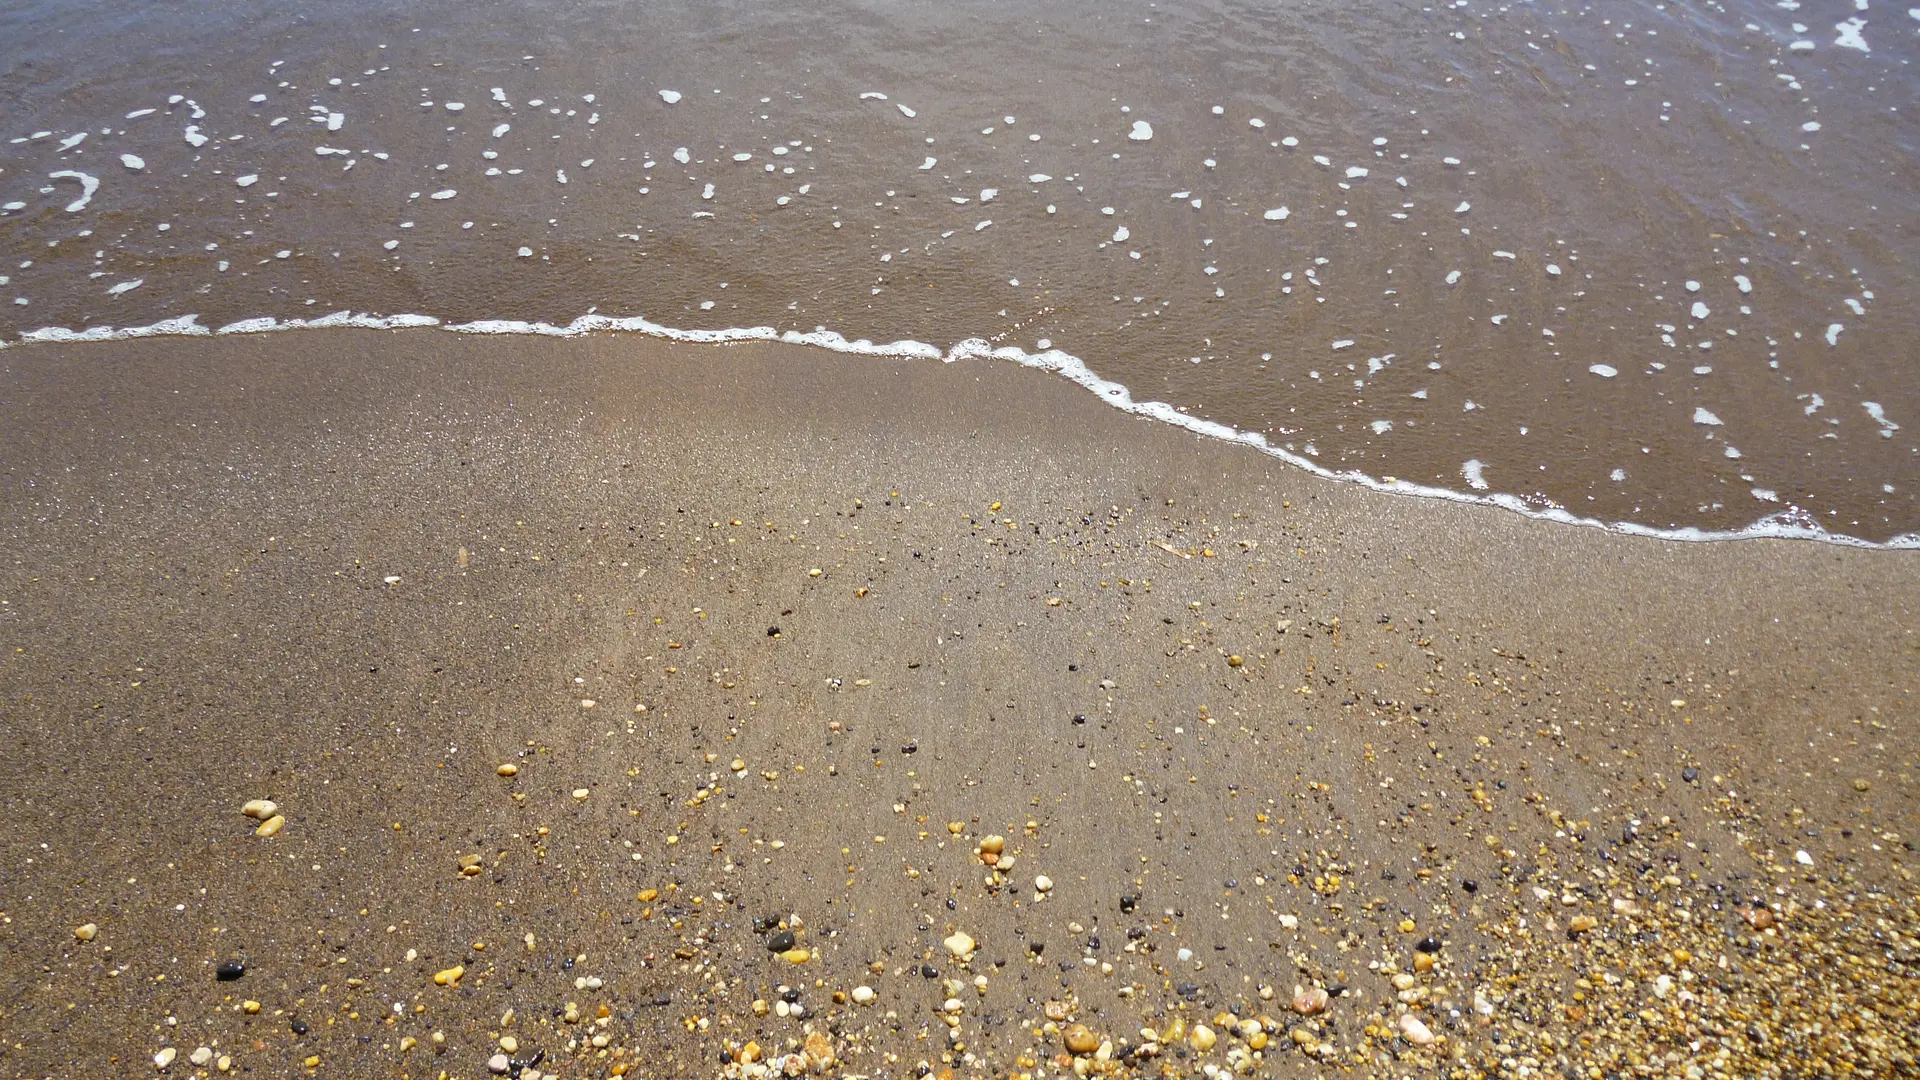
[1789,524]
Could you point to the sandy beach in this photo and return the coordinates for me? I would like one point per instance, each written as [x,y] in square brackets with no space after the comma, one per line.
[635,709]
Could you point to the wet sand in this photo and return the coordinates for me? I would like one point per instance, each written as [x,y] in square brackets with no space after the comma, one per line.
[1258,730]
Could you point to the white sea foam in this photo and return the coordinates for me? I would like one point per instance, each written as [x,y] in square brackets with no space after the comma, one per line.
[1848,34]
[1879,415]
[1605,371]
[1278,213]
[1142,131]
[133,162]
[1833,333]
[126,286]
[88,185]
[904,111]
[1705,418]
[671,97]
[193,136]
[1786,524]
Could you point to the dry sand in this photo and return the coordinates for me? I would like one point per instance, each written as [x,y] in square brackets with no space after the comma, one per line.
[1260,731]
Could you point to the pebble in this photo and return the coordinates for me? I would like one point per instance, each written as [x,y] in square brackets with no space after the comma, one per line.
[510,1044]
[1042,883]
[863,995]
[993,845]
[201,1055]
[498,1064]
[271,826]
[959,944]
[1415,1030]
[165,1057]
[1308,1001]
[1235,660]
[260,808]
[450,976]
[1079,1039]
[1203,1038]
[508,769]
[86,932]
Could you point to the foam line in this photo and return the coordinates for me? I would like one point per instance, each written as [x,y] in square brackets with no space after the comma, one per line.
[1789,524]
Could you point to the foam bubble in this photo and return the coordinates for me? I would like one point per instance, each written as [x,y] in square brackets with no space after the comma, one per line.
[1705,418]
[1605,371]
[1474,472]
[1142,131]
[1848,34]
[246,181]
[671,97]
[1278,213]
[126,287]
[88,185]
[193,136]
[904,111]
[444,194]
[133,162]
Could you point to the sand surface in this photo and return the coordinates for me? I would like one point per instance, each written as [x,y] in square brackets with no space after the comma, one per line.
[775,639]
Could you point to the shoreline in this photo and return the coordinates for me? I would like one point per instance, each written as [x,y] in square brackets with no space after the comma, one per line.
[1786,524]
[1201,691]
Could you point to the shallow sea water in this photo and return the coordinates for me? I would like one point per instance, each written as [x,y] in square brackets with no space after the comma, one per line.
[1647,264]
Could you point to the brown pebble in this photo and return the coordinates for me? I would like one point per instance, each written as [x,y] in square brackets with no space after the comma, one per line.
[508,769]
[1079,1039]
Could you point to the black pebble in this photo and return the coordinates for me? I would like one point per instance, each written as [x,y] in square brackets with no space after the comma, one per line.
[1188,990]
[781,941]
[764,923]
[1689,774]
[1470,885]
[773,631]
[1036,947]
[928,971]
[790,995]
[1127,904]
[298,1025]
[1428,945]
[230,971]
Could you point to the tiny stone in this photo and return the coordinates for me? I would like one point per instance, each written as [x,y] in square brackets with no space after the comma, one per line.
[165,1057]
[230,971]
[1042,883]
[260,808]
[498,1064]
[201,1055]
[271,826]
[1415,1031]
[508,769]
[863,995]
[86,933]
[959,944]
[1079,1040]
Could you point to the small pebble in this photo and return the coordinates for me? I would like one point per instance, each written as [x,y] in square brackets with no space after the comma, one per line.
[1079,1039]
[959,944]
[508,769]
[86,932]
[165,1057]
[863,995]
[260,808]
[201,1055]
[1309,1001]
[271,826]
[498,1064]
[1415,1030]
